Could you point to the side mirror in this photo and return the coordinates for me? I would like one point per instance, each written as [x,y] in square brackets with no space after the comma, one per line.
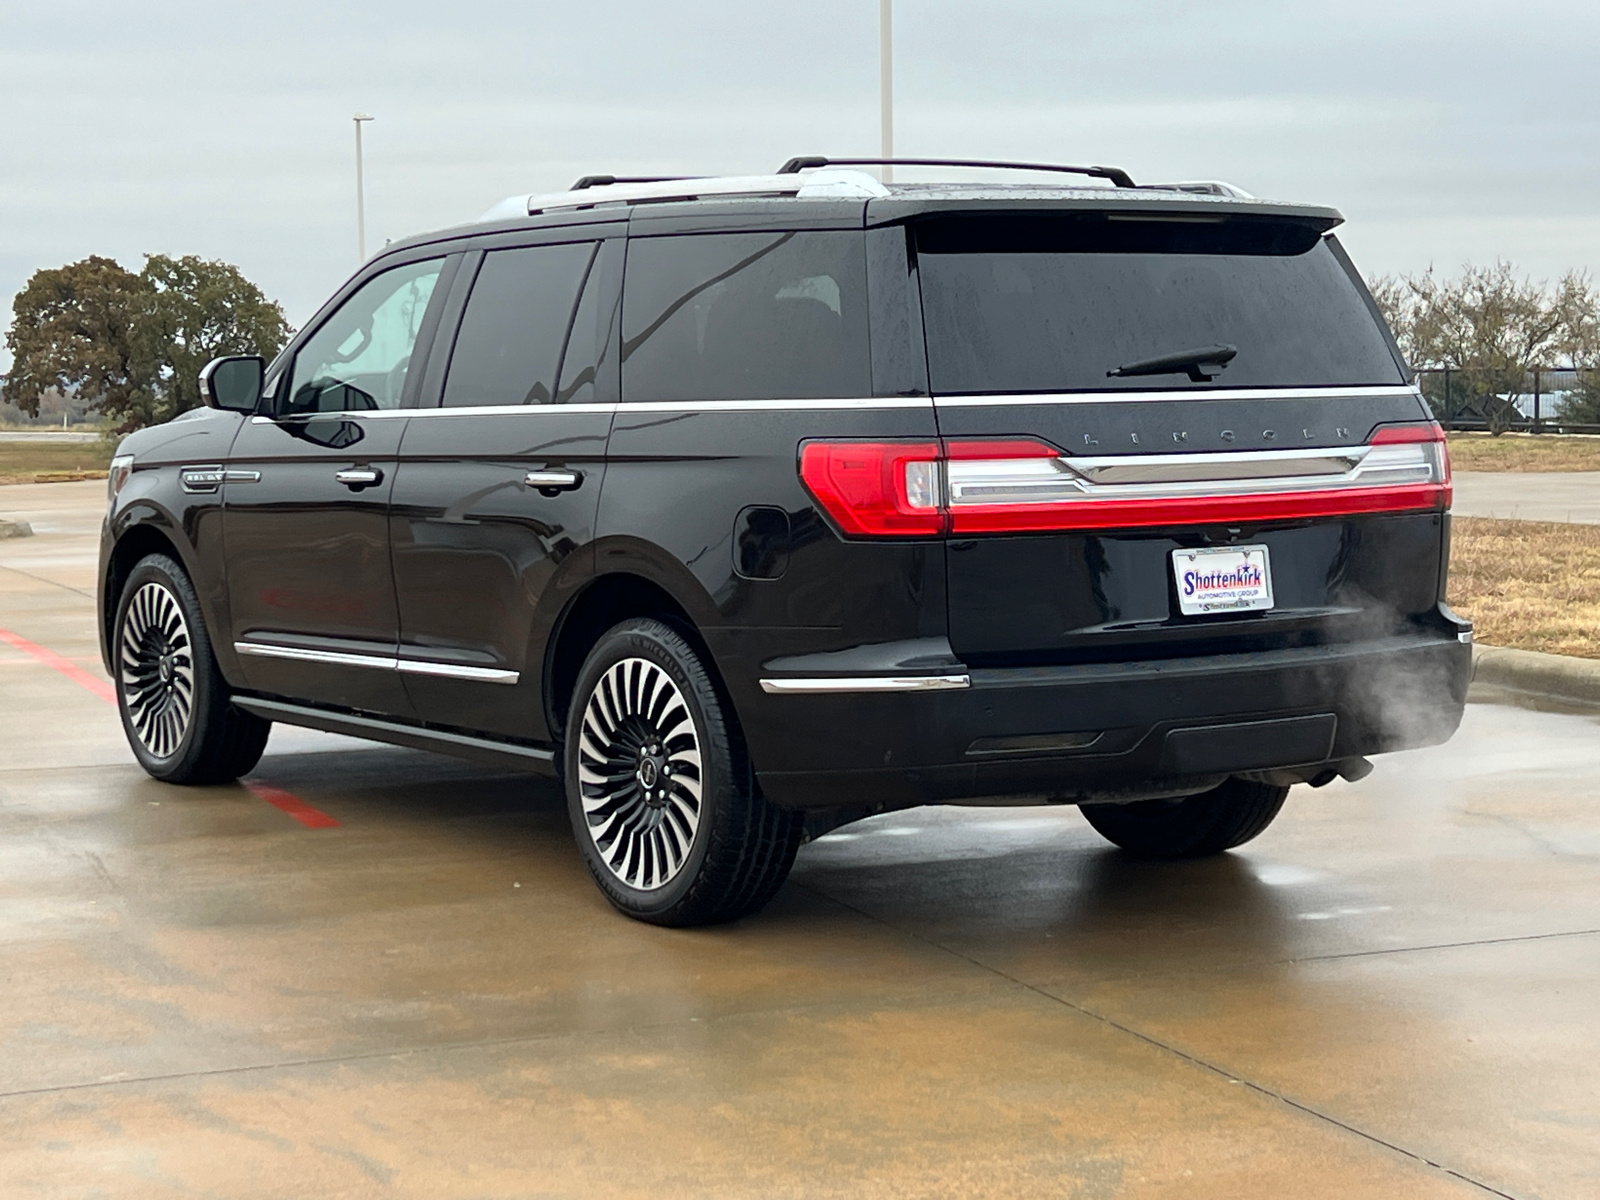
[234,382]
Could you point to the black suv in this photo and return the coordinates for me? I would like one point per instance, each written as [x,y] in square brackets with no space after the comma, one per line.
[753,506]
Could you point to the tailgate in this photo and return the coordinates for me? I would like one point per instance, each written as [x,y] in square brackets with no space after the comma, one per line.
[1111,392]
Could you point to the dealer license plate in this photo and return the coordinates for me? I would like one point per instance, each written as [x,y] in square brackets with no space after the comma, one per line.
[1222,579]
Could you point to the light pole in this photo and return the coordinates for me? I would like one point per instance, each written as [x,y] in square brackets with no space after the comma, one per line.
[886,82]
[361,194]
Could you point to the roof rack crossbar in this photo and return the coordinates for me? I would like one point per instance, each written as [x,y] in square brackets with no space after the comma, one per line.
[1116,175]
[589,181]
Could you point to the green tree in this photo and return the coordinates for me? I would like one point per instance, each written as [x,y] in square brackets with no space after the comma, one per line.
[135,343]
[72,331]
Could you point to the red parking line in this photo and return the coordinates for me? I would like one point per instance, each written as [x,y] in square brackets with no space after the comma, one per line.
[311,818]
[70,669]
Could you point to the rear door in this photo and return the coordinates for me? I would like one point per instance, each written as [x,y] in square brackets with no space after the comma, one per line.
[306,502]
[1080,461]
[495,498]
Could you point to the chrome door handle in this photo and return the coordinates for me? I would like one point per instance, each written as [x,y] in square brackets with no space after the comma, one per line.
[552,480]
[357,478]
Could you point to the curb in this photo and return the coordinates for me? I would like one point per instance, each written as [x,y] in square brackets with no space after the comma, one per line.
[1553,676]
[15,529]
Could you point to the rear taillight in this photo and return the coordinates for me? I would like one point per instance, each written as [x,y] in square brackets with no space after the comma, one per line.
[924,489]
[1414,452]
[877,489]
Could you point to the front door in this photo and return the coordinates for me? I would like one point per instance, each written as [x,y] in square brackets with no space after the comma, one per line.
[499,481]
[306,504]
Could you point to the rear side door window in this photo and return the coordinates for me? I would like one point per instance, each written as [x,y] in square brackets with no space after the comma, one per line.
[517,320]
[745,316]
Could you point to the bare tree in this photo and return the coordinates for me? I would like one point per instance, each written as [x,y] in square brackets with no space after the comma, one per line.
[1492,326]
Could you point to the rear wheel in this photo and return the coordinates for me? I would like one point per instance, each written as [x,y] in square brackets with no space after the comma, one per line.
[175,705]
[662,798]
[1228,815]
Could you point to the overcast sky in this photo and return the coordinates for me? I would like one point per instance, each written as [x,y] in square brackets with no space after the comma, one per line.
[1446,130]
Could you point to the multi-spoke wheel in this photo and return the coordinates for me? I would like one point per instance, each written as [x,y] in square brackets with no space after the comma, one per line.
[662,798]
[176,708]
[639,773]
[155,664]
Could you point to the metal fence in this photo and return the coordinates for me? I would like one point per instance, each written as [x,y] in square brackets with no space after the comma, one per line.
[1538,400]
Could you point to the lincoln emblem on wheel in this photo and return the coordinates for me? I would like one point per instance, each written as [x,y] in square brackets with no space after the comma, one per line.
[751,507]
[637,733]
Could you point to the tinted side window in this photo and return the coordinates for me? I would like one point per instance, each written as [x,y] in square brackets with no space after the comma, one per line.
[757,316]
[360,357]
[516,321]
[592,344]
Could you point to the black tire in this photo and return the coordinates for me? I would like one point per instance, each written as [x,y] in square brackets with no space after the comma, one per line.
[1197,826]
[176,709]
[663,801]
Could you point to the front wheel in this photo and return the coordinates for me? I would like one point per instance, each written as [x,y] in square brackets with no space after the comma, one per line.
[176,708]
[662,797]
[1228,815]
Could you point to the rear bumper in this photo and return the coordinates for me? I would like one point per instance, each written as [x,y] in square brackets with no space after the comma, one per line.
[1109,730]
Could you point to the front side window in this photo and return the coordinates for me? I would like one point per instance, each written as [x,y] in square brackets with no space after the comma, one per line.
[522,305]
[359,359]
[745,316]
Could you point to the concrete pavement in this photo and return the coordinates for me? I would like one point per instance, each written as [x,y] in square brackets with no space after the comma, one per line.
[1390,993]
[1528,495]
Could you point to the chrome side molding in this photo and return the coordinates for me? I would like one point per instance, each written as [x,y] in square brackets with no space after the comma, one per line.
[376,662]
[866,683]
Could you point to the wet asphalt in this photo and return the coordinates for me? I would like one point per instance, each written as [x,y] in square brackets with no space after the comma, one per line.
[1395,991]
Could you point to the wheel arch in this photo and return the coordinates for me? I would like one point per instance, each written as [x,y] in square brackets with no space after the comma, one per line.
[608,600]
[134,533]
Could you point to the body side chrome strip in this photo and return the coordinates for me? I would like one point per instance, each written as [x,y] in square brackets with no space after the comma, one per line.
[866,683]
[406,666]
[304,654]
[411,666]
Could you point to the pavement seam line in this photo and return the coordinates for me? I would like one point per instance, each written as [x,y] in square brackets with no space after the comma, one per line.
[1157,1043]
[1502,941]
[51,582]
[525,1039]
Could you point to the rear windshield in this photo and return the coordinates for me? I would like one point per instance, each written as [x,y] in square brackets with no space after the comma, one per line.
[1057,302]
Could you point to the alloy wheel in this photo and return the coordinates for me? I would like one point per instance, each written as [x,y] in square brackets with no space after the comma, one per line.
[156,669]
[639,773]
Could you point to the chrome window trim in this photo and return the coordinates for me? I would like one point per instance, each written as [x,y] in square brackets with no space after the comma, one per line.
[652,406]
[406,666]
[866,683]
[1130,396]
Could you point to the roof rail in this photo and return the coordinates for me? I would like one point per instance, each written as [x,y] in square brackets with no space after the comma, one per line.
[589,181]
[1116,175]
[1201,187]
[594,190]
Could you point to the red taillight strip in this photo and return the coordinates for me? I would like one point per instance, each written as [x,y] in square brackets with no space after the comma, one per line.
[1204,510]
[924,489]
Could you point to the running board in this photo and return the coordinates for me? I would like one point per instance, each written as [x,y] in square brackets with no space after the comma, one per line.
[484,750]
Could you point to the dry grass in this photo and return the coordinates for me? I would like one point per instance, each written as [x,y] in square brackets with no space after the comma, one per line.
[1524,452]
[1531,585]
[24,462]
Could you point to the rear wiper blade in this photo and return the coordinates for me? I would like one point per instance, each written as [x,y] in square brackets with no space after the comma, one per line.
[1201,366]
